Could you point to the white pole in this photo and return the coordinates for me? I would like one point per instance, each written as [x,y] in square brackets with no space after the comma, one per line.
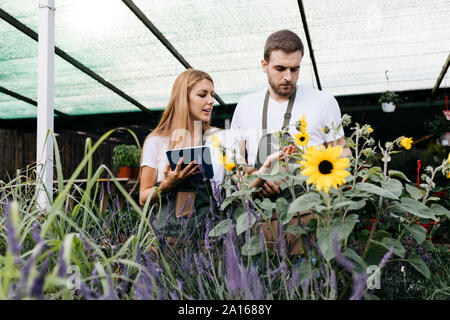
[46,60]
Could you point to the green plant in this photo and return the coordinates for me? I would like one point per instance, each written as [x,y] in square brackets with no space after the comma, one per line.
[438,125]
[389,96]
[126,156]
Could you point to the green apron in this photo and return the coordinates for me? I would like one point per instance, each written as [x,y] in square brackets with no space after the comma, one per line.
[268,143]
[187,228]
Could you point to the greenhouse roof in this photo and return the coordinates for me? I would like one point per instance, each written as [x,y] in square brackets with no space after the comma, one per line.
[117,57]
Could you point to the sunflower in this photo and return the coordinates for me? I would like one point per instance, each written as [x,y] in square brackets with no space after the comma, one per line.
[301,139]
[324,167]
[226,162]
[215,141]
[223,158]
[301,124]
[448,162]
[406,143]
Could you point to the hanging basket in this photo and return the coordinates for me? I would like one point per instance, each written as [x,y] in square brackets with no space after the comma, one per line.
[446,114]
[445,139]
[388,106]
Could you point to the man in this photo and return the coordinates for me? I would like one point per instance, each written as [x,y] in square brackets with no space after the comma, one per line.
[279,106]
[283,53]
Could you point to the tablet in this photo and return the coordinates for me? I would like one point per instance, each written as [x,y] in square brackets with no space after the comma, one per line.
[201,154]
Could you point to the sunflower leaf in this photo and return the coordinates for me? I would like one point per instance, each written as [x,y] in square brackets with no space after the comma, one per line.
[419,265]
[371,188]
[416,208]
[393,186]
[242,223]
[439,210]
[282,206]
[325,243]
[414,192]
[398,174]
[252,247]
[418,232]
[221,228]
[304,202]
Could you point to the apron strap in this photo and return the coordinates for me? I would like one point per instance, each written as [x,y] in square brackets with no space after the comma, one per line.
[287,114]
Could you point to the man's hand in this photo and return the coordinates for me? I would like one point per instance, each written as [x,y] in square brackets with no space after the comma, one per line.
[269,188]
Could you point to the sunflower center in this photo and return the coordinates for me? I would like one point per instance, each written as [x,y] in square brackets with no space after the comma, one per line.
[325,167]
[302,139]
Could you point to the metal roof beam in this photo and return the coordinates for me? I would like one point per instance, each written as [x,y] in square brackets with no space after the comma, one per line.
[308,40]
[441,77]
[30,101]
[141,16]
[32,34]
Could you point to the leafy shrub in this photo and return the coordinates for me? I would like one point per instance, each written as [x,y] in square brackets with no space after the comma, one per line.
[126,156]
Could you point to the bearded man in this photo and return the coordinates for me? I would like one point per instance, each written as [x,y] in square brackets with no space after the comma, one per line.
[280,106]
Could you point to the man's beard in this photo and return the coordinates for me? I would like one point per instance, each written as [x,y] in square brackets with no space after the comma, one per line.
[279,90]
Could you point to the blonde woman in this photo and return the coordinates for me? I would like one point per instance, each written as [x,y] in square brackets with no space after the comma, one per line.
[184,123]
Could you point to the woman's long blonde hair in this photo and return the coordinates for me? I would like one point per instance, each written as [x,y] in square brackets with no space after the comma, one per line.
[176,119]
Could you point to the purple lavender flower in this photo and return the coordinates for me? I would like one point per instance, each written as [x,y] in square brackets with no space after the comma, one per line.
[251,285]
[198,265]
[316,285]
[13,243]
[143,287]
[333,280]
[386,257]
[109,294]
[281,241]
[173,295]
[108,185]
[62,268]
[262,239]
[205,261]
[305,285]
[208,229]
[359,285]
[293,281]
[37,288]
[233,273]
[40,248]
[87,293]
[323,271]
[36,233]
[340,258]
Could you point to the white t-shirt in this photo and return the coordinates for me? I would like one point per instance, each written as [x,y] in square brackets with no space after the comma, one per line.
[154,156]
[320,108]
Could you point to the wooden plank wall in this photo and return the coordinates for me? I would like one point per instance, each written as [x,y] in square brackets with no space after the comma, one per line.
[18,149]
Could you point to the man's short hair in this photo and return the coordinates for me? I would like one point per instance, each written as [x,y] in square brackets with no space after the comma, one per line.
[285,40]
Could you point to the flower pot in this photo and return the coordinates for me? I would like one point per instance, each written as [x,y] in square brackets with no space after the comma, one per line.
[388,106]
[445,139]
[124,172]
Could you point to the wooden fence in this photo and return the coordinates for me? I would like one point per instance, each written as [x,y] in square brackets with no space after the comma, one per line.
[18,150]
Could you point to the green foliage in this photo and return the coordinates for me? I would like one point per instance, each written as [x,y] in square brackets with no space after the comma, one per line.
[126,156]
[438,125]
[389,96]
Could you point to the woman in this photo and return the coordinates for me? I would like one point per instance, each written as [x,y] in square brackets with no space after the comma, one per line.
[184,123]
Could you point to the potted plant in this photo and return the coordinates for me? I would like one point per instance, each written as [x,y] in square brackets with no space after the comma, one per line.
[440,126]
[126,159]
[388,101]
